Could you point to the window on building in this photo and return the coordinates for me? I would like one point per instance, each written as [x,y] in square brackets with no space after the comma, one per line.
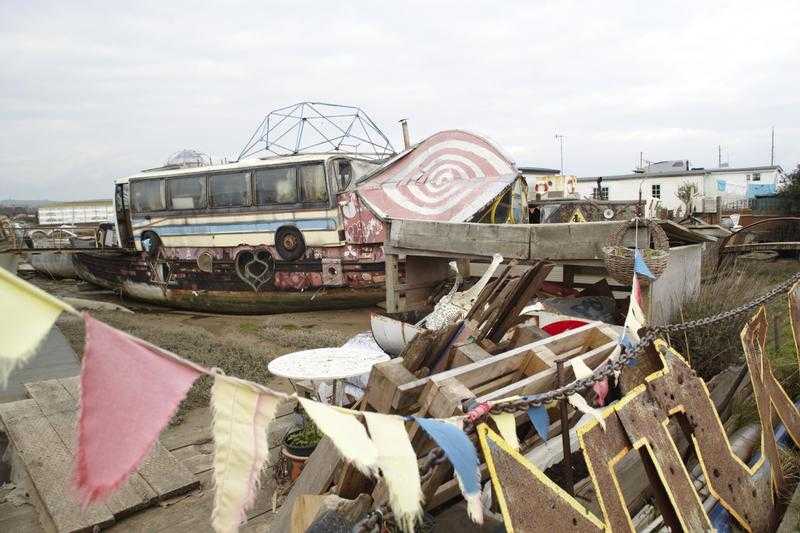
[276,186]
[756,176]
[312,183]
[187,193]
[603,195]
[229,190]
[148,195]
[656,191]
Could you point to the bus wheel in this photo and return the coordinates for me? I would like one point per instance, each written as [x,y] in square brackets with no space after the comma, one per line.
[289,243]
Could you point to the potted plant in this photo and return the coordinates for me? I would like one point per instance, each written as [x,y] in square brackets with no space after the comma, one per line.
[298,445]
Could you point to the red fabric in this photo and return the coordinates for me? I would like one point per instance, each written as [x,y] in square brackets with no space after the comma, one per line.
[554,328]
[128,394]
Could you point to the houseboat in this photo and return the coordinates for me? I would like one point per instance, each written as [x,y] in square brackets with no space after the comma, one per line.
[292,232]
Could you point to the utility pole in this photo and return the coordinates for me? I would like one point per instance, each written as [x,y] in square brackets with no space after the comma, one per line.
[719,156]
[772,148]
[560,139]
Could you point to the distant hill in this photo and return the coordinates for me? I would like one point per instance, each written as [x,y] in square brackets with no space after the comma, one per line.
[11,202]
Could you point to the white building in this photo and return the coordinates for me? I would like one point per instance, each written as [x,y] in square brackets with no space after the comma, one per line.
[660,181]
[71,213]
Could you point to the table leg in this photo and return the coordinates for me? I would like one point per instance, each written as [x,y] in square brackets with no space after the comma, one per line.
[338,392]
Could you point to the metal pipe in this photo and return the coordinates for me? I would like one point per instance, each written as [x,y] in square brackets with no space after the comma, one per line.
[406,135]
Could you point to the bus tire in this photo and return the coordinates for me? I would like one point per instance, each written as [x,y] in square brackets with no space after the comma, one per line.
[289,243]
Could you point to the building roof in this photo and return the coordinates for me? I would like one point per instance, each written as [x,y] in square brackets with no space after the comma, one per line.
[695,172]
[538,170]
[78,203]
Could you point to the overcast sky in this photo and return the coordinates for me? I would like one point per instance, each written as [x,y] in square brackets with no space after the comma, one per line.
[100,91]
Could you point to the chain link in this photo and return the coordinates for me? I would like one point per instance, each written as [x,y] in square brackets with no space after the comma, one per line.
[436,455]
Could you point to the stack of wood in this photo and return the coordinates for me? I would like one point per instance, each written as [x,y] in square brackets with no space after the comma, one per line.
[495,312]
[393,388]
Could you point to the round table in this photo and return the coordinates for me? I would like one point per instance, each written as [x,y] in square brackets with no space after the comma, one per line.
[326,364]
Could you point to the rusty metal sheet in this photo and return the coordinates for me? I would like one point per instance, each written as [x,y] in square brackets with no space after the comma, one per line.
[746,492]
[603,449]
[645,423]
[449,176]
[529,500]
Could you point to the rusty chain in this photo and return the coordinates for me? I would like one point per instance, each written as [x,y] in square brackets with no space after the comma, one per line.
[375,519]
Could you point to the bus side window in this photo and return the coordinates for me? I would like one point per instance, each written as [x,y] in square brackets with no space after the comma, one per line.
[312,184]
[148,195]
[345,172]
[276,186]
[229,190]
[187,193]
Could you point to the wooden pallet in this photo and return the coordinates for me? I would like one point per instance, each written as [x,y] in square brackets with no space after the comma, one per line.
[42,438]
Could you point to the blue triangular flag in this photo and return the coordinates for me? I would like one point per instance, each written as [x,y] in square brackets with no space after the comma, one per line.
[462,455]
[640,267]
[540,420]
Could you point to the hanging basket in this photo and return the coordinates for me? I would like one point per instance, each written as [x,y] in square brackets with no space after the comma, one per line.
[619,258]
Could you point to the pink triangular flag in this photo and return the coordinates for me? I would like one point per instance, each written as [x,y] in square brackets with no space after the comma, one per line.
[128,394]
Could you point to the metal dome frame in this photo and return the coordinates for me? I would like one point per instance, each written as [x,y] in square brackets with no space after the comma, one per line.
[309,127]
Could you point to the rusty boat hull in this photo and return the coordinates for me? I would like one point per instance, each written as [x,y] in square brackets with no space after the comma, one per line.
[137,276]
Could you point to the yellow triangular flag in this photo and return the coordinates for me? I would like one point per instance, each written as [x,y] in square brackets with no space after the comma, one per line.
[398,463]
[507,426]
[242,414]
[579,403]
[346,433]
[27,314]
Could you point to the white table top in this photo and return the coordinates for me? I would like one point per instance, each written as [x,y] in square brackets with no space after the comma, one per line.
[324,364]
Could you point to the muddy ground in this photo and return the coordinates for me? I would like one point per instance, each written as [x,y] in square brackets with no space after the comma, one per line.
[241,345]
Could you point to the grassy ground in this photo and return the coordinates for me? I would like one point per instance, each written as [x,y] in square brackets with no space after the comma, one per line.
[239,345]
[714,348]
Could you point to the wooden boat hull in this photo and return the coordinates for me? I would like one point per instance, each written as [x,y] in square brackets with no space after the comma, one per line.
[134,275]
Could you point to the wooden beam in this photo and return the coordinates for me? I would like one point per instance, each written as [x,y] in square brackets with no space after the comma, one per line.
[392,284]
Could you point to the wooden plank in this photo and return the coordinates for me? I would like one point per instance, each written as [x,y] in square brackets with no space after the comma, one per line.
[61,411]
[545,380]
[315,479]
[384,380]
[509,240]
[165,474]
[392,283]
[49,465]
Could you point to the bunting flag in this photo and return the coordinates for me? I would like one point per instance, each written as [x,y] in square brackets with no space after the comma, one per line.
[346,433]
[241,416]
[507,426]
[601,389]
[540,420]
[635,319]
[398,463]
[580,368]
[640,267]
[27,314]
[579,403]
[128,394]
[462,455]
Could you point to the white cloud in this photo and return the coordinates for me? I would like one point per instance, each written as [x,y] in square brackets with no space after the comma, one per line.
[92,92]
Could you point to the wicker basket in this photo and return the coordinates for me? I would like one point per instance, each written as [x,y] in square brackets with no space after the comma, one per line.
[619,259]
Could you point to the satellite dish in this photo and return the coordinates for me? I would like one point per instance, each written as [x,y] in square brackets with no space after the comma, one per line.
[608,214]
